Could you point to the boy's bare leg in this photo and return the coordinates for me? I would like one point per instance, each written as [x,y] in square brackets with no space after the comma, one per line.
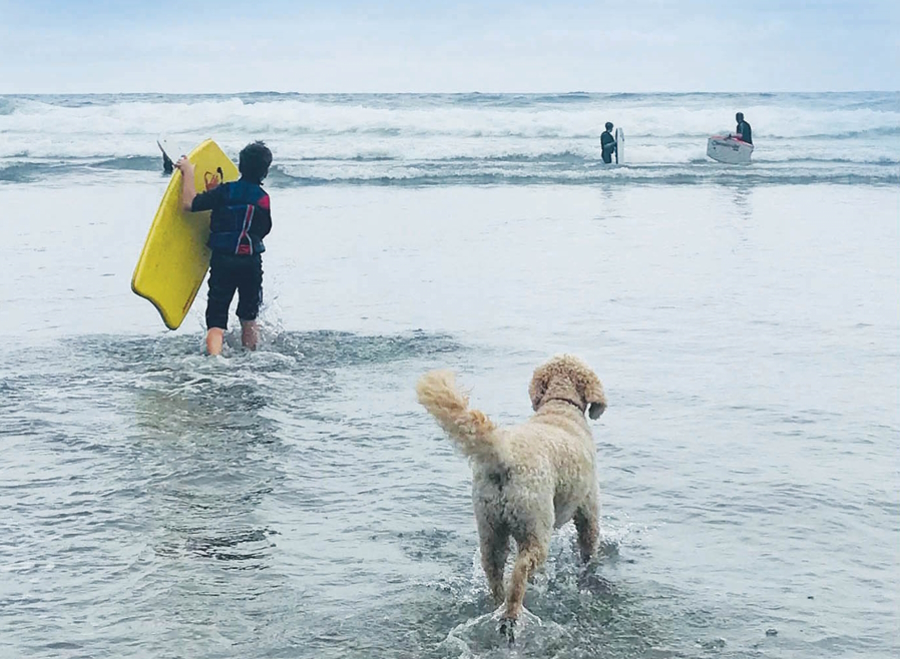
[249,334]
[215,336]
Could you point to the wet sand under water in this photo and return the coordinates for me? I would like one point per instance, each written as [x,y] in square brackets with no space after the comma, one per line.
[297,502]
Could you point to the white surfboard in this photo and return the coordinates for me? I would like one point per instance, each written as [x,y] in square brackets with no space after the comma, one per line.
[729,149]
[620,145]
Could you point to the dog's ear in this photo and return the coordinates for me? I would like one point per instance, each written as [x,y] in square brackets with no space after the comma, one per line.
[592,392]
[538,387]
[596,409]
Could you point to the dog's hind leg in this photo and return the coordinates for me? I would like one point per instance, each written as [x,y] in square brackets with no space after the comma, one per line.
[532,554]
[494,551]
[588,526]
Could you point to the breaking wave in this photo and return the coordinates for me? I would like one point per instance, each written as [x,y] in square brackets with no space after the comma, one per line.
[435,139]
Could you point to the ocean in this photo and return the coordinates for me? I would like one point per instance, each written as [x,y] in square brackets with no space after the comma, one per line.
[298,502]
[473,139]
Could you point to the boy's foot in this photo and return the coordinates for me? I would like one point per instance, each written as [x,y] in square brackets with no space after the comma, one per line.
[249,334]
[215,337]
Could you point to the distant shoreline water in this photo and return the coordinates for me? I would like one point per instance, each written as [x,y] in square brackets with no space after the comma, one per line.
[462,139]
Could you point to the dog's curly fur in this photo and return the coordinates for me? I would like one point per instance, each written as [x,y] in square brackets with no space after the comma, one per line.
[531,478]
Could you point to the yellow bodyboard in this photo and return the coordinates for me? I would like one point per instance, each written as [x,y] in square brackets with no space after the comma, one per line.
[175,257]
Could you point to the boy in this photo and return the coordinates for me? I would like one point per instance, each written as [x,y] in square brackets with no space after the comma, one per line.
[239,221]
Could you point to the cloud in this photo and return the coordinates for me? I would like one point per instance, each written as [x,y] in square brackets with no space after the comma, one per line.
[341,46]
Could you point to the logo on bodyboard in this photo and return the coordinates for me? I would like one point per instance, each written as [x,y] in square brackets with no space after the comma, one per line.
[213,179]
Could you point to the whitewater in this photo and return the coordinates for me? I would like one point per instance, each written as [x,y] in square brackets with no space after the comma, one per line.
[426,139]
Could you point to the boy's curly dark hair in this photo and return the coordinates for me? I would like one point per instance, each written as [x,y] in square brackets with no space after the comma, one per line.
[254,161]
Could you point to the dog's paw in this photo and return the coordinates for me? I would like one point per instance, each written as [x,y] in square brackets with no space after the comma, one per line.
[508,629]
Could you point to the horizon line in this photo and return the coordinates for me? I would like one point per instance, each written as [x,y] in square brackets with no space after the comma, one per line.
[454,93]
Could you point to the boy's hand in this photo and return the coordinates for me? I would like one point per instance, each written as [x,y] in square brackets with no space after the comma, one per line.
[186,167]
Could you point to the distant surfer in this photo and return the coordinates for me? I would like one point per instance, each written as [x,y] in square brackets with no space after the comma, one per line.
[239,221]
[168,165]
[743,131]
[608,143]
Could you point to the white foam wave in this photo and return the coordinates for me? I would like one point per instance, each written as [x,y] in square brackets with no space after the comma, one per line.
[325,138]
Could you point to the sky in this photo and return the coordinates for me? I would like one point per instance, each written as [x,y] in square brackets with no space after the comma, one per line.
[343,46]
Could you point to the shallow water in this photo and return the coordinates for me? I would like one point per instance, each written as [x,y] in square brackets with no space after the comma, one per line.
[297,502]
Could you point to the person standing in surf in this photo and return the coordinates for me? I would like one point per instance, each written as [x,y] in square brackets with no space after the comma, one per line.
[239,221]
[608,143]
[743,129]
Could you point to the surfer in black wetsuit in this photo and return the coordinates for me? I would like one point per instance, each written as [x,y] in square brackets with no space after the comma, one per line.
[168,165]
[608,143]
[743,129]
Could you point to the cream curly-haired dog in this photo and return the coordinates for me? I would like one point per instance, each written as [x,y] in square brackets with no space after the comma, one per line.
[530,478]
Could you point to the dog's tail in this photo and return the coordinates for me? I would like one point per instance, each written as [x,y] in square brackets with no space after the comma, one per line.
[471,430]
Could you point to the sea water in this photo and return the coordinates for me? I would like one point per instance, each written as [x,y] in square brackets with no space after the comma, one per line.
[297,502]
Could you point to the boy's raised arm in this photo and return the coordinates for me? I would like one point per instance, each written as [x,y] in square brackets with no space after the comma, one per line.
[188,190]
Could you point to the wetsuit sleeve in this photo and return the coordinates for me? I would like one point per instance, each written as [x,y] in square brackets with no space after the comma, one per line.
[265,221]
[266,226]
[211,199]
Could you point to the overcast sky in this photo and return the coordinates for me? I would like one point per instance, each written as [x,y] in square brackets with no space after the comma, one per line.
[54,46]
